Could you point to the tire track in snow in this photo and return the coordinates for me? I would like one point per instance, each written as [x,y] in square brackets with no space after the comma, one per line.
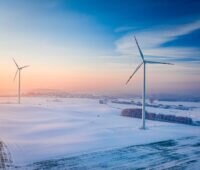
[171,154]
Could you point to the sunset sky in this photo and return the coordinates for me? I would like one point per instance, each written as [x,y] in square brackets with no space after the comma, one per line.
[87,46]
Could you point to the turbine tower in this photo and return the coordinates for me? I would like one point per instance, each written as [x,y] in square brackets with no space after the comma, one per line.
[19,69]
[144,62]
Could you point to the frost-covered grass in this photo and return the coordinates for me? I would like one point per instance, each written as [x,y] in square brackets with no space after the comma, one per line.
[46,128]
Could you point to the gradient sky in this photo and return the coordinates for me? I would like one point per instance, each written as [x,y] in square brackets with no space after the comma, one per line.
[87,46]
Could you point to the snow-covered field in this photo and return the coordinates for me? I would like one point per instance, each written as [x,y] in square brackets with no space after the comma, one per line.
[52,128]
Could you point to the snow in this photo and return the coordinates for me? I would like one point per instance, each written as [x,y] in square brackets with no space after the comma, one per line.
[45,128]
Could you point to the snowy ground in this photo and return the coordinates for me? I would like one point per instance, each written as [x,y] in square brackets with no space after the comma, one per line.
[178,154]
[53,128]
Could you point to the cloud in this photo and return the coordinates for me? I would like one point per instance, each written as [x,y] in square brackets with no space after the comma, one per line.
[151,40]
[124,28]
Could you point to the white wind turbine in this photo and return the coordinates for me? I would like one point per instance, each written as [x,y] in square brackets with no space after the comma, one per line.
[19,81]
[144,62]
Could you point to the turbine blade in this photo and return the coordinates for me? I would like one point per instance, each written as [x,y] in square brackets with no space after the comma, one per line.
[15,75]
[15,63]
[134,72]
[155,62]
[24,67]
[141,54]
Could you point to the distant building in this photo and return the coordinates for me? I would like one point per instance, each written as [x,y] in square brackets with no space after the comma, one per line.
[103,101]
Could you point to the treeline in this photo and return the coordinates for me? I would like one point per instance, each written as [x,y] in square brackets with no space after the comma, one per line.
[137,113]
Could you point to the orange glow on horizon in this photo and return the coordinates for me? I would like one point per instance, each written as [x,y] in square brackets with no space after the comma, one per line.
[90,80]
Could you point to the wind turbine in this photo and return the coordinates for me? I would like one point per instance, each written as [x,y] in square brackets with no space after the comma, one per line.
[19,69]
[144,62]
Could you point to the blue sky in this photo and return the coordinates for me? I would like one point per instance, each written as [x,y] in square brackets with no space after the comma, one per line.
[95,36]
